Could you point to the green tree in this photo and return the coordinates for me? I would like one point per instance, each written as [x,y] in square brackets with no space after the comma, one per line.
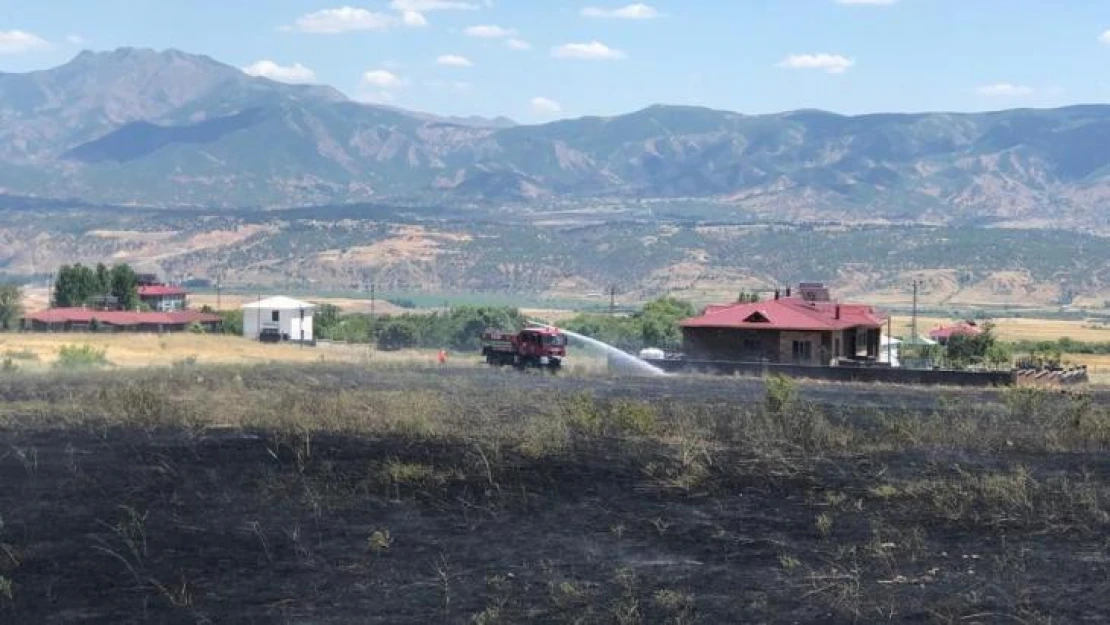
[123,284]
[325,320]
[11,305]
[982,348]
[75,285]
[232,321]
[659,322]
[103,280]
[398,333]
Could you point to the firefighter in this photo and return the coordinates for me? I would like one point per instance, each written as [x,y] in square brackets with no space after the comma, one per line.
[442,357]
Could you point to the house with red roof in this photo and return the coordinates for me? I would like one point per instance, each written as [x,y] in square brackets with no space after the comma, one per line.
[163,297]
[89,320]
[806,329]
[942,334]
[167,313]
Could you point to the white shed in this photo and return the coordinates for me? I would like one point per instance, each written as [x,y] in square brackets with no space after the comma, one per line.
[890,347]
[292,318]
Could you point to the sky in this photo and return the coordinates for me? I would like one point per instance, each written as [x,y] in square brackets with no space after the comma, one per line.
[536,60]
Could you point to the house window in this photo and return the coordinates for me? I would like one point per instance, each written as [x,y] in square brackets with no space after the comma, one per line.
[275,316]
[803,351]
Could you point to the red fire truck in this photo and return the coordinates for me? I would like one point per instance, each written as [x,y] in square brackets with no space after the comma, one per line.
[532,347]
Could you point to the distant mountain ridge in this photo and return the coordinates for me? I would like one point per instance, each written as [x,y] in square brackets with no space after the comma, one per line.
[170,128]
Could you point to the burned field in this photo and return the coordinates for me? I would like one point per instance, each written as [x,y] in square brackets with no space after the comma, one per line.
[324,495]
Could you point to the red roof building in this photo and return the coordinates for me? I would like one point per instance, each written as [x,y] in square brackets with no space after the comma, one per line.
[82,319]
[162,297]
[964,328]
[785,330]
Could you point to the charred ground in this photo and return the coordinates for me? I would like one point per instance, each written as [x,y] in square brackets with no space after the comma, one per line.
[325,495]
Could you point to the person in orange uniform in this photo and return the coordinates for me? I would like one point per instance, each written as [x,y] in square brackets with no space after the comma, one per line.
[442,357]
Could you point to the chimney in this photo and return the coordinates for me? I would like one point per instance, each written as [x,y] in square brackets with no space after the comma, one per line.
[788,291]
[838,311]
[776,294]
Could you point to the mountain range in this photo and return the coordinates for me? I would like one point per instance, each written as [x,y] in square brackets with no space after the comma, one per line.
[167,128]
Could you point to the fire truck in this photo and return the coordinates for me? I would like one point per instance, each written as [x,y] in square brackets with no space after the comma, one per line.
[532,347]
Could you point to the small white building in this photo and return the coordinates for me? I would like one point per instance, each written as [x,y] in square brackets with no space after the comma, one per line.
[889,348]
[292,318]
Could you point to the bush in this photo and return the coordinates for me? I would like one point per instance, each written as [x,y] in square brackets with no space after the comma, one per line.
[72,357]
[398,334]
[781,394]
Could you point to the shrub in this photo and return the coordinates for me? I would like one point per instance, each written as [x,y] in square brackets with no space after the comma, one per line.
[398,334]
[80,357]
[781,394]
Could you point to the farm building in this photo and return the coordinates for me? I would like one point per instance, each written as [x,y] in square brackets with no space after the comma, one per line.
[87,320]
[963,328]
[290,318]
[162,297]
[808,329]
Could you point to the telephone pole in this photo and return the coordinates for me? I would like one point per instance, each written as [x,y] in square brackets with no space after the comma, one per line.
[612,299]
[913,322]
[373,292]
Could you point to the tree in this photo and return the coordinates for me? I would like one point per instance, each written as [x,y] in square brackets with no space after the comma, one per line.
[659,322]
[748,298]
[399,333]
[11,305]
[75,285]
[976,349]
[123,284]
[325,320]
[232,321]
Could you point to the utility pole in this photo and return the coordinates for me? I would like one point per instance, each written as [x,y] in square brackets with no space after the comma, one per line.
[373,293]
[913,322]
[889,339]
[612,299]
[258,317]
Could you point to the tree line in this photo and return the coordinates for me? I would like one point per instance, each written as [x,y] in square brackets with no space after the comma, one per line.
[77,285]
[460,328]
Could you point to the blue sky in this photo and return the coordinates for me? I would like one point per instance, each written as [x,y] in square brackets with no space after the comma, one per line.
[535,60]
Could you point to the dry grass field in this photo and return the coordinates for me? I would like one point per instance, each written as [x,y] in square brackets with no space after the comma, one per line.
[1018,329]
[38,351]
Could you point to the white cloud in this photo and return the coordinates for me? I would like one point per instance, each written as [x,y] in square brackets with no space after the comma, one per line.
[294,73]
[489,31]
[383,78]
[883,3]
[425,6]
[413,18]
[19,41]
[1004,90]
[546,106]
[518,44]
[594,50]
[631,12]
[830,63]
[348,19]
[1105,37]
[75,40]
[454,60]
